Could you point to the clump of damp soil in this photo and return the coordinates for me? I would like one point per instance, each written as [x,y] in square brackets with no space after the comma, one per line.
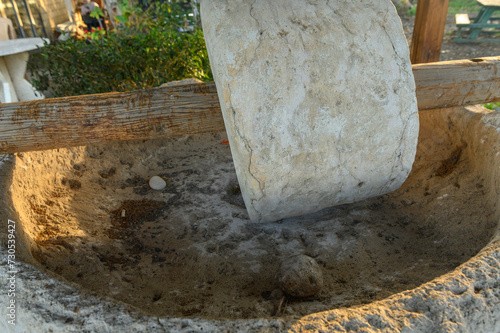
[190,250]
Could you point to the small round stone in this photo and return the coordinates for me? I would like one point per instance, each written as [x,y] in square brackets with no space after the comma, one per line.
[157,183]
[300,276]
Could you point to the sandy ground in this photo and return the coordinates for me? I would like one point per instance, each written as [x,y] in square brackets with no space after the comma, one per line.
[190,250]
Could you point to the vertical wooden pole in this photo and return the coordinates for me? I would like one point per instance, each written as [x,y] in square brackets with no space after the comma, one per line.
[428,30]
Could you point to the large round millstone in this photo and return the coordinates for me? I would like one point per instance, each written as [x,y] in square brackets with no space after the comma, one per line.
[318,99]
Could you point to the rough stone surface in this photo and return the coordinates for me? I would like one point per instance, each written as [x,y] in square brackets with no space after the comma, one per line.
[466,298]
[318,100]
[300,276]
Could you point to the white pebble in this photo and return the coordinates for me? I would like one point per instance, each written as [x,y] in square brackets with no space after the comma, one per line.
[157,183]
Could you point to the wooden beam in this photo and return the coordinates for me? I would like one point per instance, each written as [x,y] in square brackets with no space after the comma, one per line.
[428,31]
[194,108]
[89,119]
[457,82]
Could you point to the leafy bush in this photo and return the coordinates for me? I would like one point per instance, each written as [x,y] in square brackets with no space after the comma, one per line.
[147,50]
[454,7]
[492,106]
[463,6]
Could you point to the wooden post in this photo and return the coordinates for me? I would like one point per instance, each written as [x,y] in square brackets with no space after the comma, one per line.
[194,108]
[428,31]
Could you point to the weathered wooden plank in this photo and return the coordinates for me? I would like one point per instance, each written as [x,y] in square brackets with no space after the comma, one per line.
[428,31]
[458,82]
[89,119]
[194,108]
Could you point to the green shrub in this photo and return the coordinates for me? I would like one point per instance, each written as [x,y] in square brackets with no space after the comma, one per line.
[492,106]
[412,11]
[463,6]
[146,51]
[454,7]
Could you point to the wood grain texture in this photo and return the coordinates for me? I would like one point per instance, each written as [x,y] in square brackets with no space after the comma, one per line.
[194,108]
[428,31]
[88,119]
[458,82]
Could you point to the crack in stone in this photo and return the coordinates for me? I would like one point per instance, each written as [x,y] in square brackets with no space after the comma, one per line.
[400,166]
[401,68]
[251,10]
[258,26]
[249,149]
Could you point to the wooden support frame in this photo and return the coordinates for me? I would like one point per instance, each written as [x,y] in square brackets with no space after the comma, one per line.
[457,82]
[428,31]
[90,119]
[194,108]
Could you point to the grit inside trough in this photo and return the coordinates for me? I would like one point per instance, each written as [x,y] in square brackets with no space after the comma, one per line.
[99,250]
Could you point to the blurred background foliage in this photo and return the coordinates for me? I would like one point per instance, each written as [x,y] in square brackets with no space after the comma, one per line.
[153,44]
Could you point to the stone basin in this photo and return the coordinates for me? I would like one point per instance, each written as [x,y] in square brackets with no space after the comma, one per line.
[97,250]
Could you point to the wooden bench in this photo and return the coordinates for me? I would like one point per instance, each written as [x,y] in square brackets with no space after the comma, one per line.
[484,22]
[461,20]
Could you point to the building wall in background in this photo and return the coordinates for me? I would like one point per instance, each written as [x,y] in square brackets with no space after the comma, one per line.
[35,18]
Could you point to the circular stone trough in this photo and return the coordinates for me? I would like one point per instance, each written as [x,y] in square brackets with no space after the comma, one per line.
[98,250]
